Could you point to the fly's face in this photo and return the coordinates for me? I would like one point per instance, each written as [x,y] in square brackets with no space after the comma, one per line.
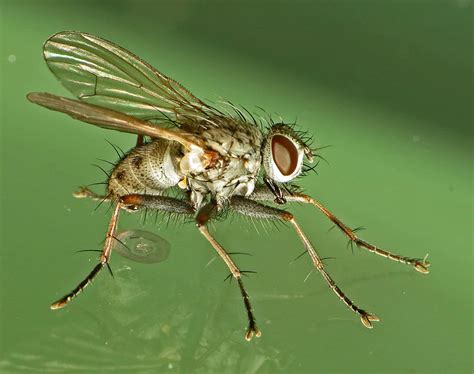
[283,153]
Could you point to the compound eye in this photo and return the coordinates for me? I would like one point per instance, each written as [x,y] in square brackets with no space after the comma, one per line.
[285,154]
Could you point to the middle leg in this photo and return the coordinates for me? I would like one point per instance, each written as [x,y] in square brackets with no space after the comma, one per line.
[206,213]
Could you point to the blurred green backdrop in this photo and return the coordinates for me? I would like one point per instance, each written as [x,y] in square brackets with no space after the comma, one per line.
[387,83]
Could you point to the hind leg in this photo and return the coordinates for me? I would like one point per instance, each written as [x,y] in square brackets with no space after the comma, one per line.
[129,202]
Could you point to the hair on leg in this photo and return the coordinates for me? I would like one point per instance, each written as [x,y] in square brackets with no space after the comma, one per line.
[255,209]
[262,193]
[206,213]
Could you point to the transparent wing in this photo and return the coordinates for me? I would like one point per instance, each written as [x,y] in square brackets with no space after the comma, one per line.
[102,73]
[113,120]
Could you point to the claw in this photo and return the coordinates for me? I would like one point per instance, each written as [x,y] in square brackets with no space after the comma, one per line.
[367,319]
[251,331]
[61,303]
[422,265]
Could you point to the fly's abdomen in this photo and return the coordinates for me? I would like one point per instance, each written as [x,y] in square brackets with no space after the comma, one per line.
[149,169]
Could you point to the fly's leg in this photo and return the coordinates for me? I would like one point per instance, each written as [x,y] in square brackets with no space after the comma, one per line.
[104,258]
[206,213]
[85,192]
[254,209]
[421,265]
[140,141]
[129,202]
[162,203]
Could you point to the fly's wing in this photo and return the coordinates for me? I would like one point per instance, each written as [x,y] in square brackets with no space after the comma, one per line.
[101,73]
[113,120]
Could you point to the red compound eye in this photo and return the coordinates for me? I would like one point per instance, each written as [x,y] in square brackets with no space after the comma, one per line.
[285,154]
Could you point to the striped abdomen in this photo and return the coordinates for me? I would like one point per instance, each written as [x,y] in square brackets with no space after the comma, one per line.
[148,169]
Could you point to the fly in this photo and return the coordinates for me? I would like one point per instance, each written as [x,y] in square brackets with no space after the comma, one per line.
[212,160]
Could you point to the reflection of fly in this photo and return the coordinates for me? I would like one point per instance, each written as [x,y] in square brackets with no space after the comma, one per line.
[213,160]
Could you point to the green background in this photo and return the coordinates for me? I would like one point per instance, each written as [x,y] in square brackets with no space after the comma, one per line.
[388,84]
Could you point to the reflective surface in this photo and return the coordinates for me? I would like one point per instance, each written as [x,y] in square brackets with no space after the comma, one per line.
[141,246]
[387,86]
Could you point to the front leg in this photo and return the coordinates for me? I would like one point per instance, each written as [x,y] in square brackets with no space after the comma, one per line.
[262,193]
[254,209]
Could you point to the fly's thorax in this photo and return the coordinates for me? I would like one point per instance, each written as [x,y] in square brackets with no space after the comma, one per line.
[148,169]
[228,166]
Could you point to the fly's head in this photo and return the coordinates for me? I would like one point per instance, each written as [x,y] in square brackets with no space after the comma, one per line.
[283,153]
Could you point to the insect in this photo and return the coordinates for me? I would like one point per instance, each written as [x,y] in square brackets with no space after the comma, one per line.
[213,160]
